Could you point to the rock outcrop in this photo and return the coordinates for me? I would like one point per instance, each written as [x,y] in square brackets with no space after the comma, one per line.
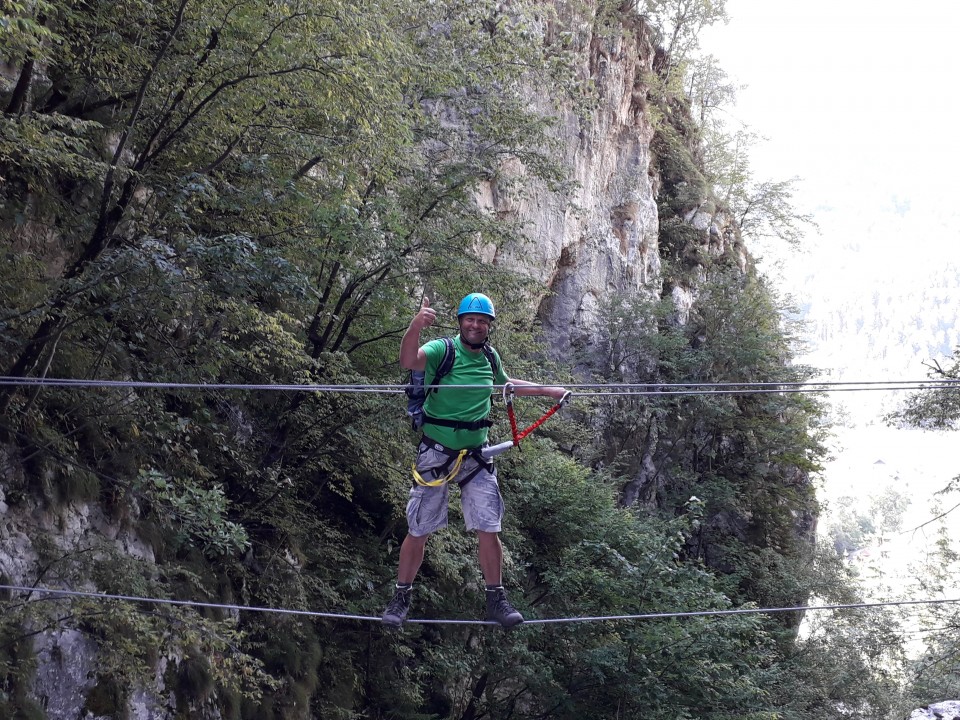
[946,710]
[598,235]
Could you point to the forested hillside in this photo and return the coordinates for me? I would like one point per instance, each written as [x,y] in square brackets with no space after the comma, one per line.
[198,194]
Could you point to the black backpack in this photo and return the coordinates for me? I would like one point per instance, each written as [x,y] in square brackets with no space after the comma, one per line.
[417,393]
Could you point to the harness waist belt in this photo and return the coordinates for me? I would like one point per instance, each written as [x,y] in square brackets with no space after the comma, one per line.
[457,424]
[454,458]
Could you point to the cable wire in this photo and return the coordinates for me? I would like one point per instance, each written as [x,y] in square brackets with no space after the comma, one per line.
[428,621]
[583,389]
[153,385]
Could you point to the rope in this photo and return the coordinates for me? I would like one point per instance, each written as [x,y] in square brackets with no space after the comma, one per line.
[508,394]
[68,382]
[584,389]
[536,424]
[426,621]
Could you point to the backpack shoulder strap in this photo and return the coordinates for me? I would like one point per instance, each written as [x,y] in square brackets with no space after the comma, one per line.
[492,359]
[446,362]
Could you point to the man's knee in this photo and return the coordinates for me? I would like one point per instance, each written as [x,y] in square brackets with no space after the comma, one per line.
[417,540]
[487,537]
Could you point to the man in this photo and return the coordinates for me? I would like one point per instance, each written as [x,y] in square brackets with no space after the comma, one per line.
[455,428]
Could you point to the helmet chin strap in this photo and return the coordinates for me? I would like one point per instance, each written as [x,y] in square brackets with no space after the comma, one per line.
[475,346]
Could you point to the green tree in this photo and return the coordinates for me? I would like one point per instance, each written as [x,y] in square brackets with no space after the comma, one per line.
[761,209]
[709,89]
[937,408]
[243,193]
[746,455]
[678,24]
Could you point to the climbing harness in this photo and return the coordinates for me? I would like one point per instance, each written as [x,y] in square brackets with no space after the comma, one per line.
[449,469]
[518,435]
[456,461]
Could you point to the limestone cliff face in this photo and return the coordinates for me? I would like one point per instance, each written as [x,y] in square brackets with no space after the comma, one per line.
[599,236]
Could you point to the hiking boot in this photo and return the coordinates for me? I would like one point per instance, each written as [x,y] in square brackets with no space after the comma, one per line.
[397,608]
[500,609]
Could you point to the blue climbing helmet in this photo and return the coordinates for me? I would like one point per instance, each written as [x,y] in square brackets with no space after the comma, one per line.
[477,303]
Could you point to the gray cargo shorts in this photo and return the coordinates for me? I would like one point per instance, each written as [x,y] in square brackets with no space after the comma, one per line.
[480,498]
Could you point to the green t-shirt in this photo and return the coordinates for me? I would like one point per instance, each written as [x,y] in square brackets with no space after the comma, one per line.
[465,404]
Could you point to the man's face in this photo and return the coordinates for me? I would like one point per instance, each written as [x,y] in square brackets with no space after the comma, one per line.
[474,327]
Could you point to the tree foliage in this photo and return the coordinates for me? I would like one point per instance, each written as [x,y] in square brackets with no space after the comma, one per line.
[677,25]
[223,193]
[937,408]
[932,674]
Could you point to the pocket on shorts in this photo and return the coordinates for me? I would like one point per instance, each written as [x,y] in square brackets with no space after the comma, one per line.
[426,510]
[482,503]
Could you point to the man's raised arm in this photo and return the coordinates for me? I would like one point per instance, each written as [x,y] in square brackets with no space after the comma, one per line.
[411,356]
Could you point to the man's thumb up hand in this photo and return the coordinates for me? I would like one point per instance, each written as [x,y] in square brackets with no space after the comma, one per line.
[427,315]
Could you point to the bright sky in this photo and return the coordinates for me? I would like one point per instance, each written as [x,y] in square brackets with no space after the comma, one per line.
[857,97]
